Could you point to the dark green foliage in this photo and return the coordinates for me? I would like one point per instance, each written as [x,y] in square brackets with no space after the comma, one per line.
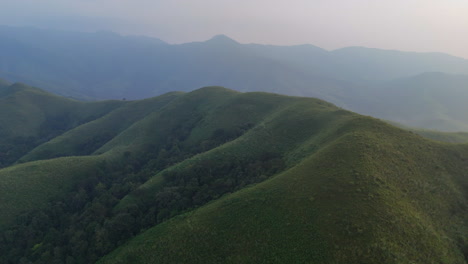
[30,117]
[341,204]
[82,224]
[16,147]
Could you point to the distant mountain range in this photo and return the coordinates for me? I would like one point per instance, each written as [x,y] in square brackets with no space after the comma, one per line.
[399,86]
[219,176]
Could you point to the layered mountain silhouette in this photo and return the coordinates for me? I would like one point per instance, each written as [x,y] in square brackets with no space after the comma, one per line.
[219,176]
[105,65]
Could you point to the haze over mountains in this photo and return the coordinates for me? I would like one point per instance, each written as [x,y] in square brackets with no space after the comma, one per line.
[416,89]
[219,176]
[275,132]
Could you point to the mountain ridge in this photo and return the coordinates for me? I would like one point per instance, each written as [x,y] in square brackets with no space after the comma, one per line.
[196,170]
[103,65]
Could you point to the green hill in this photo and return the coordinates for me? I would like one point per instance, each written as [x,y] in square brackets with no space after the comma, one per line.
[370,194]
[90,136]
[30,186]
[218,176]
[30,117]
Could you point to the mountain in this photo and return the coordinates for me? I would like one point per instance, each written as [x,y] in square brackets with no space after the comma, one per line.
[219,176]
[377,64]
[431,100]
[105,65]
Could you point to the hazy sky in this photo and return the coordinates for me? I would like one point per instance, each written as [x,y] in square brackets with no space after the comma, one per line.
[414,25]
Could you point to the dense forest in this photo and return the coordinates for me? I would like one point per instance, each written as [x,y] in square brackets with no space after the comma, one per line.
[82,226]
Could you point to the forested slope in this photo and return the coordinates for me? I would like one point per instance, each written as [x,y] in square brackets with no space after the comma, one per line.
[220,176]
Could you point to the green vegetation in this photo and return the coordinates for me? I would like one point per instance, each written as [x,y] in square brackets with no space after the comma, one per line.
[30,117]
[374,194]
[217,176]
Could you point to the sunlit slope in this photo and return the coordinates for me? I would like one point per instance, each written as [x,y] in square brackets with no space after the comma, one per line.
[373,194]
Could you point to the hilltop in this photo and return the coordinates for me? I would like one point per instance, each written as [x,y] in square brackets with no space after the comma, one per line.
[219,176]
[30,116]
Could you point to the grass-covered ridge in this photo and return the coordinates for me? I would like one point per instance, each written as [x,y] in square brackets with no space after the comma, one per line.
[374,194]
[417,89]
[218,176]
[30,117]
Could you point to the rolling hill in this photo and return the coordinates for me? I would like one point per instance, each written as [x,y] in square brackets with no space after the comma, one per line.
[30,117]
[219,176]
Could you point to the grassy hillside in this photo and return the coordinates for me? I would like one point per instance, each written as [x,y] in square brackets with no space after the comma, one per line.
[89,137]
[218,176]
[30,117]
[30,186]
[373,194]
